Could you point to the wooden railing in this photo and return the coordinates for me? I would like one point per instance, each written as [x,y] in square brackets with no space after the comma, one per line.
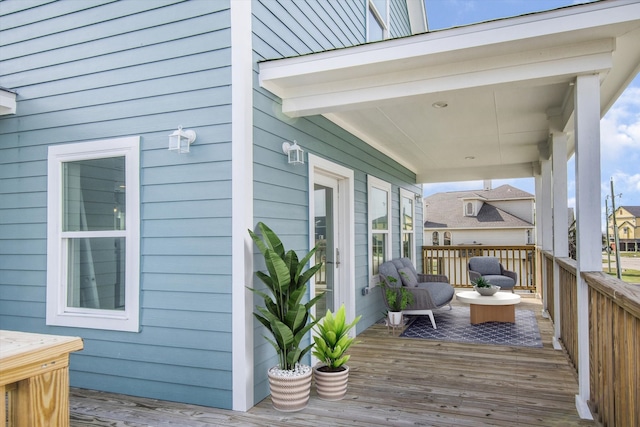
[452,262]
[569,307]
[549,290]
[614,349]
[614,338]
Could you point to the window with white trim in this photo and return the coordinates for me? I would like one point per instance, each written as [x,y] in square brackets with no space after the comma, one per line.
[469,209]
[407,216]
[93,234]
[379,222]
[377,20]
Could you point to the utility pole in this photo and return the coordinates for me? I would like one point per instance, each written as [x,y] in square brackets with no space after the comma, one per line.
[615,231]
[606,217]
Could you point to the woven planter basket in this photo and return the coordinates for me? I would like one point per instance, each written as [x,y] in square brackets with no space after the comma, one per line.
[290,393]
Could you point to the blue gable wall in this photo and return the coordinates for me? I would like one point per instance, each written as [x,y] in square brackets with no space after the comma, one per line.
[89,70]
[286,28]
[399,19]
[93,70]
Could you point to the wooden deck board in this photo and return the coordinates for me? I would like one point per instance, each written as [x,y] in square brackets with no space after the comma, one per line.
[394,382]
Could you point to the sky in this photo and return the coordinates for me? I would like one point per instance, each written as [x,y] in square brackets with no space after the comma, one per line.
[620,127]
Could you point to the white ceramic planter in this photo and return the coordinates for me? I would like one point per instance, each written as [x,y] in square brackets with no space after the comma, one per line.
[395,318]
[290,393]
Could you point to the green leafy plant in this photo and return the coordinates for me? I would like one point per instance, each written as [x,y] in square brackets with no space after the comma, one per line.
[333,339]
[481,282]
[284,314]
[398,297]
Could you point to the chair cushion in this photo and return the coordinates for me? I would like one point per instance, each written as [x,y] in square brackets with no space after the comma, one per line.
[409,278]
[388,269]
[441,293]
[485,265]
[505,282]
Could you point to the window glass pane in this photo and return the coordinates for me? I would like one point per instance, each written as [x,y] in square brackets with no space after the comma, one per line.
[407,214]
[375,31]
[96,276]
[435,238]
[407,245]
[94,194]
[378,209]
[379,245]
[447,238]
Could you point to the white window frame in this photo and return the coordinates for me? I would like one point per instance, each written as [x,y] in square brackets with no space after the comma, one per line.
[380,20]
[469,209]
[373,182]
[405,194]
[58,312]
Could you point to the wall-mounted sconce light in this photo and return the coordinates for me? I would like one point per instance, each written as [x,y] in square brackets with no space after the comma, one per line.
[181,140]
[294,153]
[418,198]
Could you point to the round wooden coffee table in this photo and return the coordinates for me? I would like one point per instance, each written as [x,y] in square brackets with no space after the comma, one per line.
[500,307]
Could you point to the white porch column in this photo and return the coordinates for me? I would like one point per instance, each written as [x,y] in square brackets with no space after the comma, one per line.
[538,220]
[589,256]
[538,230]
[242,205]
[560,221]
[545,213]
[547,206]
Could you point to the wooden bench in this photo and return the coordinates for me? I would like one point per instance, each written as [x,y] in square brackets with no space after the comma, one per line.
[34,378]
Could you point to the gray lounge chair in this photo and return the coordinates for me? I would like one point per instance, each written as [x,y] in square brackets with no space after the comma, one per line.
[430,291]
[492,270]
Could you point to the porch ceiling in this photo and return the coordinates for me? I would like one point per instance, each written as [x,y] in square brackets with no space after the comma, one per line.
[507,85]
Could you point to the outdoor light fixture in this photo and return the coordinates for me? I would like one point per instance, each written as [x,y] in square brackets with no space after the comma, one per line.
[181,140]
[294,153]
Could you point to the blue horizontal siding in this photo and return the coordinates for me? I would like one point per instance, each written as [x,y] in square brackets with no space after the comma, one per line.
[95,70]
[176,392]
[399,18]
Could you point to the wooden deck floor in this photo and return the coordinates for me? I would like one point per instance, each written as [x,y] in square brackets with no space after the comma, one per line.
[393,382]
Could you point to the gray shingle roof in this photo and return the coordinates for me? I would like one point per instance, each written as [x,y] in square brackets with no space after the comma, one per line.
[633,210]
[445,210]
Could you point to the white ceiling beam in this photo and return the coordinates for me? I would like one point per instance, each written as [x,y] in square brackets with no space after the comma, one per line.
[522,170]
[345,97]
[8,103]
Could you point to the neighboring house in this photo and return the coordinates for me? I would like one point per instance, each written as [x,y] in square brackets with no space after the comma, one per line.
[144,252]
[500,216]
[628,223]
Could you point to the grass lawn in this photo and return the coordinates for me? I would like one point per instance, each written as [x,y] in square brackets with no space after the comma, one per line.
[628,275]
[630,254]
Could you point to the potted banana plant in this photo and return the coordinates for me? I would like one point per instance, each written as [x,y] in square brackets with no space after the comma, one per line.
[286,317]
[332,340]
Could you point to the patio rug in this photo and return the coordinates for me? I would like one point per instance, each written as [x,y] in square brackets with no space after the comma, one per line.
[453,325]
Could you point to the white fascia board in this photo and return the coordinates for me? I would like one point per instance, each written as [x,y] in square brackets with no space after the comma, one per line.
[7,102]
[371,96]
[529,27]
